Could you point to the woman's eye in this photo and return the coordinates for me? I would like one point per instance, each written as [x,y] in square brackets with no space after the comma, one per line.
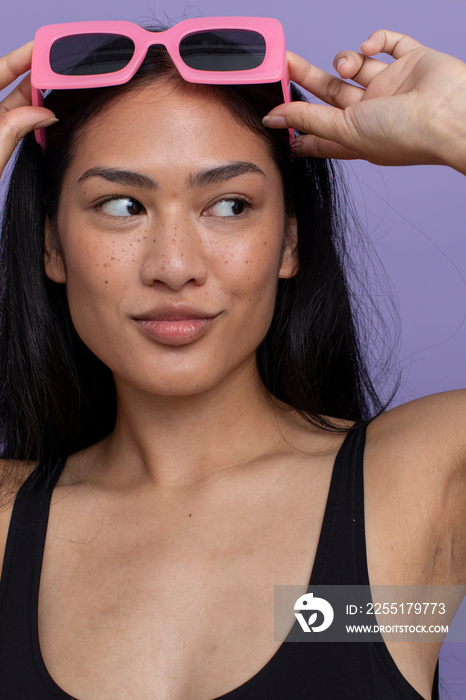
[122,206]
[227,208]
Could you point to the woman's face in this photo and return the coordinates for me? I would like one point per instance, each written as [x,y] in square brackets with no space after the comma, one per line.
[173,235]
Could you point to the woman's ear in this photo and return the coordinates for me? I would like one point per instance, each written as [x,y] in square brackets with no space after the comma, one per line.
[53,258]
[289,265]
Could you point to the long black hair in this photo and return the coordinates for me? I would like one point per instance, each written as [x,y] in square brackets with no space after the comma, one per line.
[56,397]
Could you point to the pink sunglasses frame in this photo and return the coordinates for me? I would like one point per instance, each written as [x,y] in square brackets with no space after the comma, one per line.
[273,69]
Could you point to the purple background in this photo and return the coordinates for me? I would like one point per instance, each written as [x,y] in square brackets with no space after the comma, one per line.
[413,216]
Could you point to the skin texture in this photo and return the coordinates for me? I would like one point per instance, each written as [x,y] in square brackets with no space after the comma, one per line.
[190,486]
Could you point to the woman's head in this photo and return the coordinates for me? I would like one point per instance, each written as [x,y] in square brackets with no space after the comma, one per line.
[309,357]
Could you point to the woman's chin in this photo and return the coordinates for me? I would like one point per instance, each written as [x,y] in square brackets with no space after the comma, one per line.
[188,382]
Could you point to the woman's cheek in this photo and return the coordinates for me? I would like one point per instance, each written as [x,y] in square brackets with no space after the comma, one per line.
[96,282]
[253,282]
[252,258]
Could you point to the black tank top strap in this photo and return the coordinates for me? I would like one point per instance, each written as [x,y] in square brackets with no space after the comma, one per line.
[341,559]
[341,553]
[21,665]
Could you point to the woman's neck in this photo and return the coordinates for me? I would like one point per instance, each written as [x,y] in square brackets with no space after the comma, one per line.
[178,442]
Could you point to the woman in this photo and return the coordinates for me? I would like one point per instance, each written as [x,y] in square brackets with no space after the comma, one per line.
[179,230]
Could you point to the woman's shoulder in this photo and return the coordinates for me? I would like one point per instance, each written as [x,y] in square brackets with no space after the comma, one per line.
[429,426]
[13,473]
[422,444]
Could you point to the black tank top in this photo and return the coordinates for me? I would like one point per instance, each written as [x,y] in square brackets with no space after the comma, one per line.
[297,671]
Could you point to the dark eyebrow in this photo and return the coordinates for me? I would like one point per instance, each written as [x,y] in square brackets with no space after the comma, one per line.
[223,173]
[200,179]
[121,177]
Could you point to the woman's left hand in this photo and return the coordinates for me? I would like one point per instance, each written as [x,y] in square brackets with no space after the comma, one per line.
[412,111]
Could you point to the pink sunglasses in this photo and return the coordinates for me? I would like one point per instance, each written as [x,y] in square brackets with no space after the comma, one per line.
[208,50]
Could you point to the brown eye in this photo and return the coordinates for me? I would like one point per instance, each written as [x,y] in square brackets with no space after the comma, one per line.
[227,208]
[122,206]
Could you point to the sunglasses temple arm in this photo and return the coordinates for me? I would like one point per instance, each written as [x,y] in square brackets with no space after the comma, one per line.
[38,101]
[286,89]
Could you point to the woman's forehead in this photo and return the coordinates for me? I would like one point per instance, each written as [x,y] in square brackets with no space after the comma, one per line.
[169,125]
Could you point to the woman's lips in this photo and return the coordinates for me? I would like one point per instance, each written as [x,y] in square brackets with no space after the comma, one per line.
[175,331]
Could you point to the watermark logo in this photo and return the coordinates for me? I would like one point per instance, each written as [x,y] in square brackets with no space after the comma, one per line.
[308,602]
[339,613]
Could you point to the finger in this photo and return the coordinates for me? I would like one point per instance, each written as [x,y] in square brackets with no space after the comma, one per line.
[317,147]
[355,66]
[325,86]
[15,64]
[391,43]
[17,123]
[317,120]
[19,97]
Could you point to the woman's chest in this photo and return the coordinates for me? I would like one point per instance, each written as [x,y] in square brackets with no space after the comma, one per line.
[177,601]
[173,610]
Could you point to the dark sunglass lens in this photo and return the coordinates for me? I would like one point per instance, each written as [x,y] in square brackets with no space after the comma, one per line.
[223,50]
[91,54]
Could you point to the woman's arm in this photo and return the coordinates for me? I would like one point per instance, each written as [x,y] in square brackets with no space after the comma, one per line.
[410,112]
[415,485]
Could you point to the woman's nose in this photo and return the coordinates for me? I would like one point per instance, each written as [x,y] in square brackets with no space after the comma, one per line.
[174,255]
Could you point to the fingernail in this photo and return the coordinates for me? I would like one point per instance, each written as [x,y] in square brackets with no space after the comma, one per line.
[340,62]
[46,123]
[275,121]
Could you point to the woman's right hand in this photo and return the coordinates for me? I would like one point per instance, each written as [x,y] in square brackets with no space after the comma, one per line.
[17,116]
